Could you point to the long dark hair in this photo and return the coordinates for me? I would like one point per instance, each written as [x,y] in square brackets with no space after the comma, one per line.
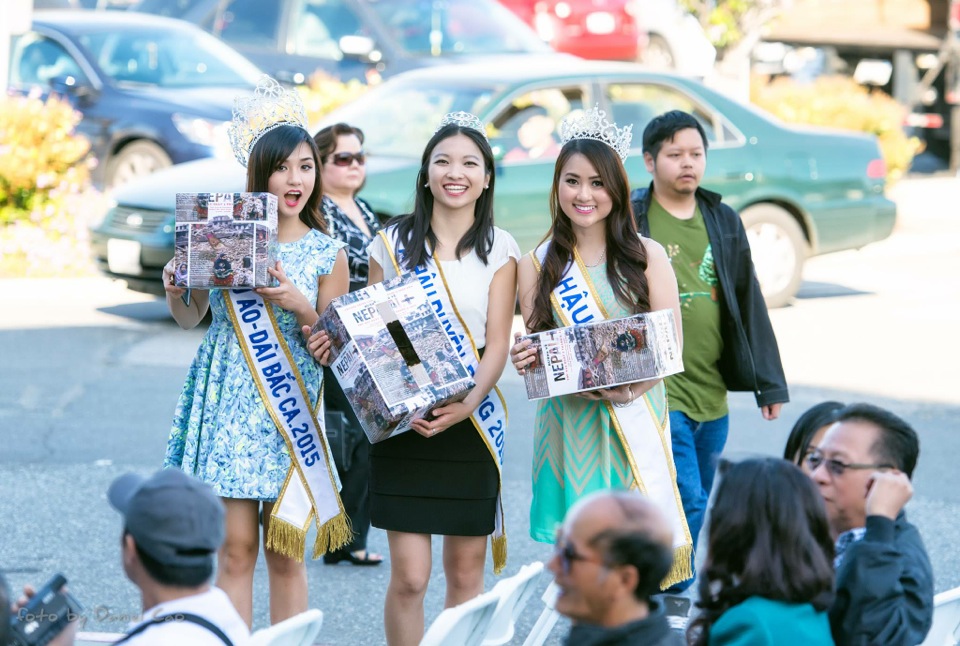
[413,229]
[626,255]
[806,426]
[271,151]
[768,537]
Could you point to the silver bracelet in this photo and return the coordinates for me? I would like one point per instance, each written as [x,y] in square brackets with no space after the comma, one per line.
[628,402]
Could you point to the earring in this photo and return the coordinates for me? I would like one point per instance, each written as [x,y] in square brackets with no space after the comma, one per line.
[486,187]
[427,185]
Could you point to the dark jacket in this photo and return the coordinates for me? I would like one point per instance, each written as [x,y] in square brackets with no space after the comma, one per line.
[654,630]
[750,360]
[884,587]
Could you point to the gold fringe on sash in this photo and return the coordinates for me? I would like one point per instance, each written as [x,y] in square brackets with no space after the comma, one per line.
[286,539]
[499,546]
[682,568]
[334,534]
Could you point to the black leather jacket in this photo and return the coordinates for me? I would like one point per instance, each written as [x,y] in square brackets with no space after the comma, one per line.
[750,360]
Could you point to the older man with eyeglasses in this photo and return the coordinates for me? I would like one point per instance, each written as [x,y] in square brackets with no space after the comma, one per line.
[612,551]
[884,581]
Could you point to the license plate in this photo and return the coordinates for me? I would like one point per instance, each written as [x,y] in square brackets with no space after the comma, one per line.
[123,257]
[601,22]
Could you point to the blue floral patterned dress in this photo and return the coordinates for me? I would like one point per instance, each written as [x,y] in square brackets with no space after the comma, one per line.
[222,432]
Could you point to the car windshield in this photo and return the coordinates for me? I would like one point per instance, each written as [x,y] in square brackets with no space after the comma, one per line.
[399,118]
[168,58]
[432,28]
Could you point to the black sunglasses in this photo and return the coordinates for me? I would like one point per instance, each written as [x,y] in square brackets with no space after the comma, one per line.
[836,467]
[568,554]
[345,159]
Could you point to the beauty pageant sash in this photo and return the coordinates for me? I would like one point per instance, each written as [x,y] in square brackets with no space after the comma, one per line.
[490,418]
[644,431]
[310,489]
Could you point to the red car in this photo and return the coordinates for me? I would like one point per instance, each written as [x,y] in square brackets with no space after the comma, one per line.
[599,29]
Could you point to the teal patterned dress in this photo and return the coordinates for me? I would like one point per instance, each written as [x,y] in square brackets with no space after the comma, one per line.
[222,432]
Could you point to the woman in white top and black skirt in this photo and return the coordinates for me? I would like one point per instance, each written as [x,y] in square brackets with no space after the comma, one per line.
[445,478]
[352,222]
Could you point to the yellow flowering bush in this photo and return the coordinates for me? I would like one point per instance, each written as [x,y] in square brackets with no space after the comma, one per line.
[44,187]
[841,102]
[324,93]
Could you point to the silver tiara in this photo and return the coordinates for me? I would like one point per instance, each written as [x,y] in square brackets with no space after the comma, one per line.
[464,120]
[593,124]
[271,106]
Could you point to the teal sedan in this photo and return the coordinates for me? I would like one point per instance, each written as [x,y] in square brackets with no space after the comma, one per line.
[800,191]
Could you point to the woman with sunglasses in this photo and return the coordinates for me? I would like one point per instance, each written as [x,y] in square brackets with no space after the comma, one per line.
[352,222]
[768,574]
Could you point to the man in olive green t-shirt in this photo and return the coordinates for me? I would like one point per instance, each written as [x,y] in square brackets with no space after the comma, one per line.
[708,250]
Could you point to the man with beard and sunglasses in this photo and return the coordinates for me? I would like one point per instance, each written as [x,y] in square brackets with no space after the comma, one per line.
[612,551]
[884,581]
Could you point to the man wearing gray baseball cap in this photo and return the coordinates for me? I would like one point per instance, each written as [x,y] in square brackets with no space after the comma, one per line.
[173,527]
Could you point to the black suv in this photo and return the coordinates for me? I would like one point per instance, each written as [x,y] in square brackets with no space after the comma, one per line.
[365,39]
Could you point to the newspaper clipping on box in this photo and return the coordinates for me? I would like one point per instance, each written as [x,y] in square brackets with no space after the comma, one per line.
[603,355]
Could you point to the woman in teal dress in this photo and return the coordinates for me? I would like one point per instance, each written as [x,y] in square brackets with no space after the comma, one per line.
[579,444]
[222,431]
[768,575]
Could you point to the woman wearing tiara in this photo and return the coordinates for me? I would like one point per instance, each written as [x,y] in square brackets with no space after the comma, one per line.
[445,478]
[244,422]
[593,266]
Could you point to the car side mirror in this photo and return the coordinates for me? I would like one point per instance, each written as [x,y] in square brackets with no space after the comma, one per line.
[358,46]
[68,85]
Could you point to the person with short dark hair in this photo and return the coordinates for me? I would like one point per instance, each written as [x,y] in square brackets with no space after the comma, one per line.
[767,578]
[729,344]
[173,526]
[807,432]
[612,551]
[884,585]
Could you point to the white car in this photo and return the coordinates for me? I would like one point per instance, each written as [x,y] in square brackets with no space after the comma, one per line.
[677,42]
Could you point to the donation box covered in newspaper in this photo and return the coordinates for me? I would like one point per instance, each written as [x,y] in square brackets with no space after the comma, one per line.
[603,354]
[225,240]
[391,356]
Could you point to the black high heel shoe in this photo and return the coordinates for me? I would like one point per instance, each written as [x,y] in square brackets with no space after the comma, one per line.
[351,558]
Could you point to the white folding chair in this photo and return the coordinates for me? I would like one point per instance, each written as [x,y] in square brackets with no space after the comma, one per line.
[946,620]
[300,630]
[463,625]
[514,594]
[548,618]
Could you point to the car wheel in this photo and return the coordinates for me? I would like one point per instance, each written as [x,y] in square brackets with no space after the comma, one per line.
[779,250]
[658,55]
[136,159]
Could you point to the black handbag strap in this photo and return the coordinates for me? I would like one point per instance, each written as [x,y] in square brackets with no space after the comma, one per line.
[177,616]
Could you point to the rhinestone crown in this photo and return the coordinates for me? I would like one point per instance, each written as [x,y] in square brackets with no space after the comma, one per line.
[271,106]
[464,120]
[593,124]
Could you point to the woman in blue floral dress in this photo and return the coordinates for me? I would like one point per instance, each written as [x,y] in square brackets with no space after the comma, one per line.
[222,431]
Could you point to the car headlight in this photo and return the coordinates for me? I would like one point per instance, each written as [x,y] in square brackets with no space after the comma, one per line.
[205,132]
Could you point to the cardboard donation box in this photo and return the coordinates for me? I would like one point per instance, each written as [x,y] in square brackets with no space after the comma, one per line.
[225,240]
[391,356]
[603,354]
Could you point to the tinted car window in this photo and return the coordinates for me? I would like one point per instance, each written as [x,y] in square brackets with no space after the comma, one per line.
[320,26]
[638,103]
[249,22]
[426,27]
[38,59]
[527,128]
[401,119]
[168,59]
[170,8]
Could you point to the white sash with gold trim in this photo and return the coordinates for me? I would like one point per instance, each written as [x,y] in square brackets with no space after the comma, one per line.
[490,418]
[310,489]
[644,437]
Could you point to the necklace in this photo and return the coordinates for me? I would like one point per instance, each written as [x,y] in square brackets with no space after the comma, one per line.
[603,256]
